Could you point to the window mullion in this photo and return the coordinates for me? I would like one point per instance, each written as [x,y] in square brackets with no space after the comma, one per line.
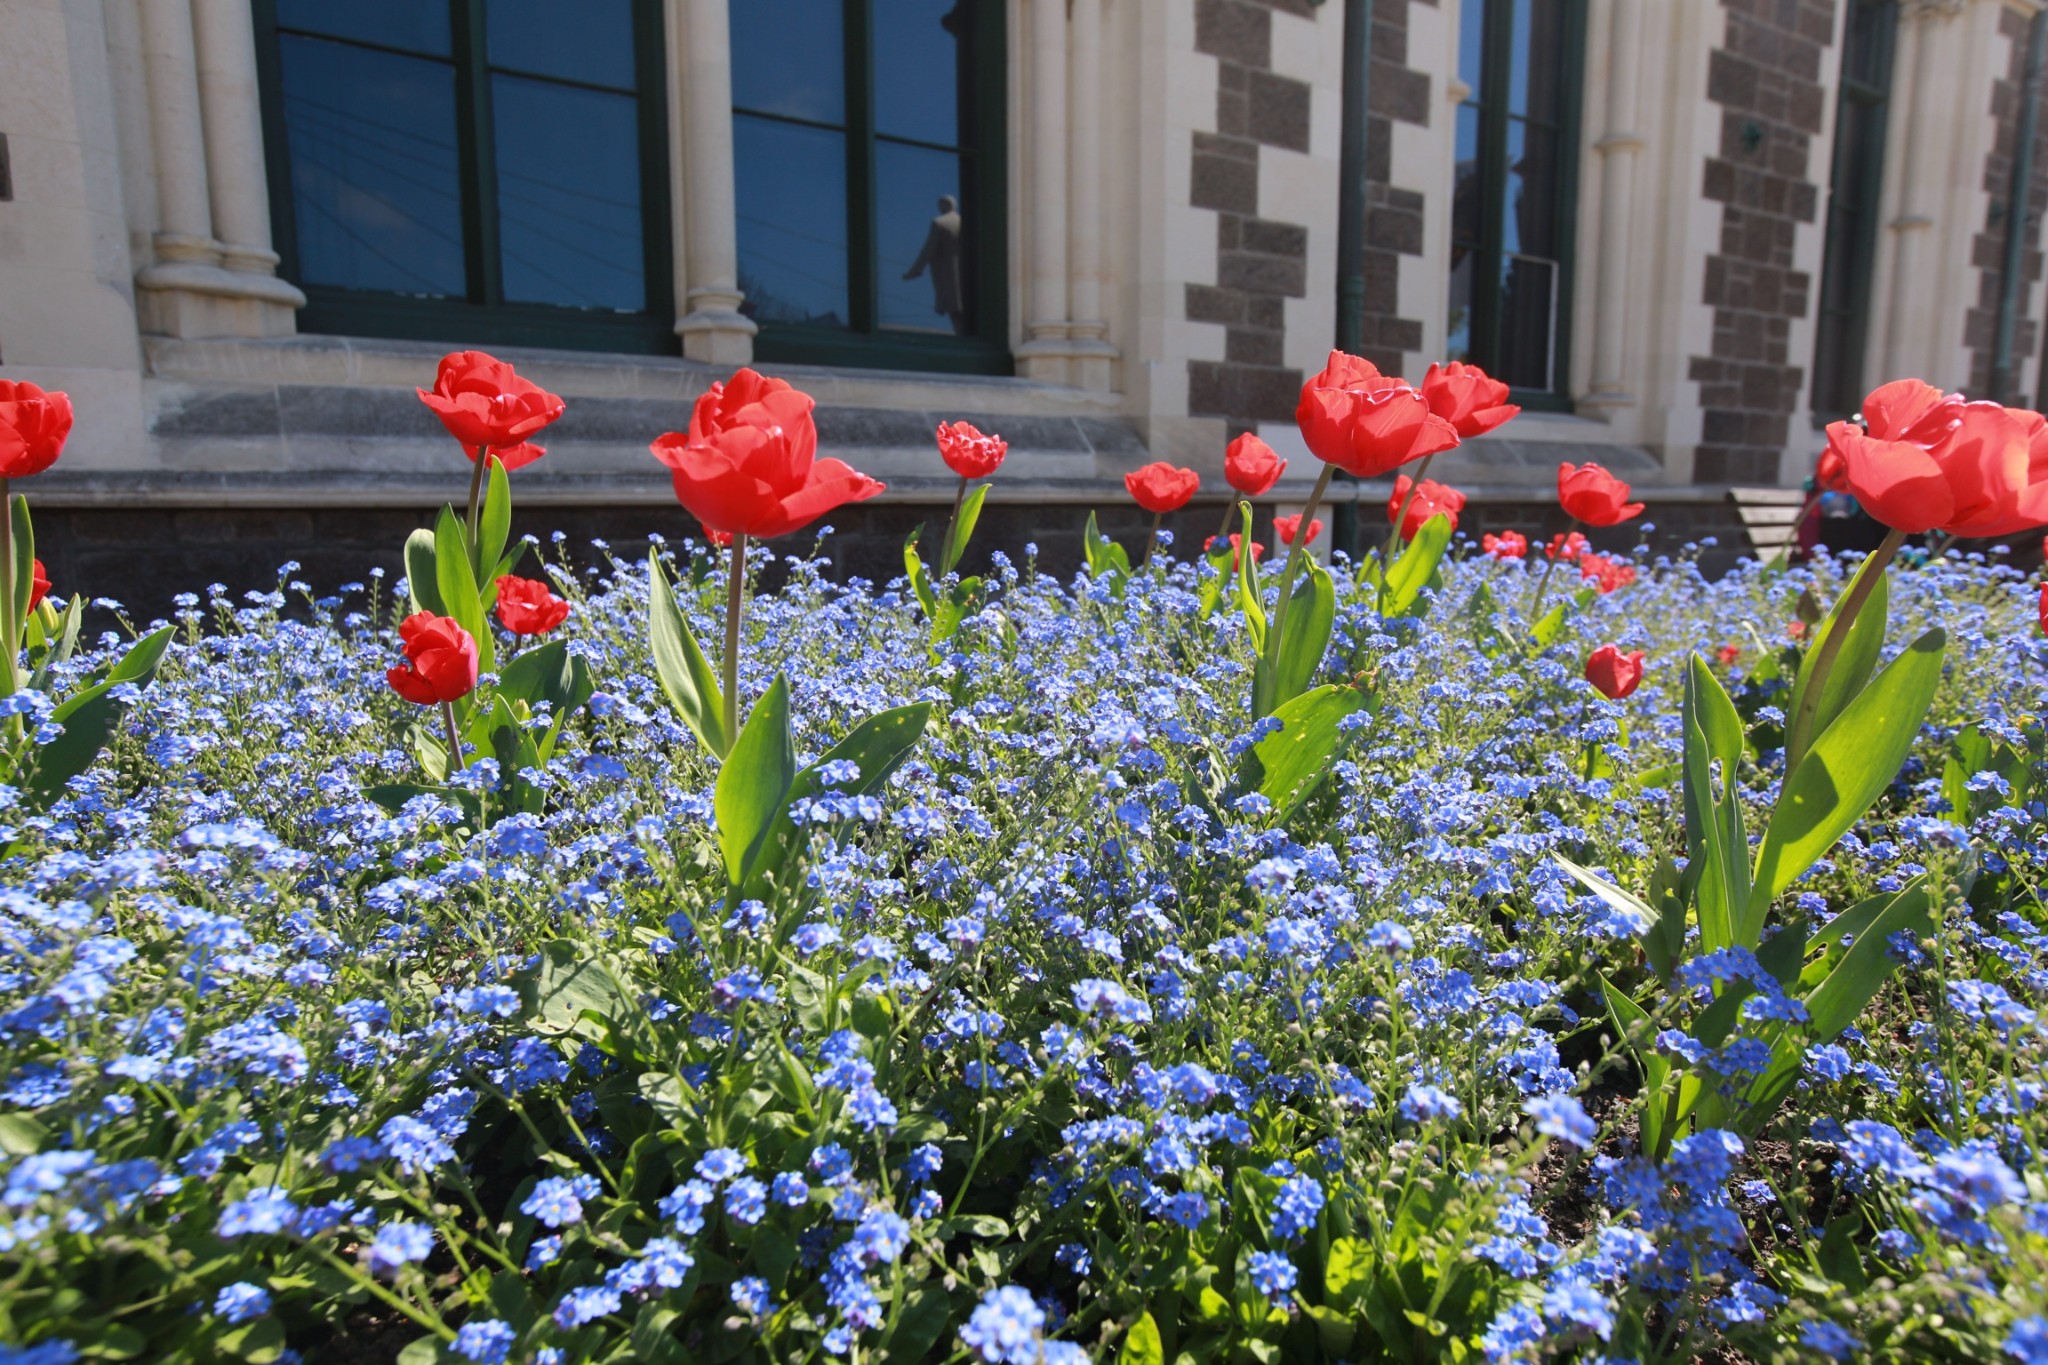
[475,136]
[860,168]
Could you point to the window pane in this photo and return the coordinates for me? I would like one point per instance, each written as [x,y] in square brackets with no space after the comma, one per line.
[920,79]
[1466,192]
[1535,87]
[1531,221]
[791,187]
[568,165]
[375,181]
[537,36]
[415,25]
[1458,345]
[1472,44]
[789,58]
[918,228]
[1528,302]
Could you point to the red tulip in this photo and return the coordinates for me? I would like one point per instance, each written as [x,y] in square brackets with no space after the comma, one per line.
[1592,495]
[1506,545]
[1728,654]
[968,453]
[1614,674]
[33,426]
[1831,473]
[1288,527]
[512,457]
[1467,397]
[1236,548]
[1250,465]
[1566,547]
[483,402]
[1160,487]
[1431,499]
[38,584]
[1607,574]
[748,464]
[526,606]
[718,539]
[1927,461]
[440,661]
[1367,423]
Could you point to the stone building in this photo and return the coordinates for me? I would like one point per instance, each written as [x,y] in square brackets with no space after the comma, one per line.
[1688,231]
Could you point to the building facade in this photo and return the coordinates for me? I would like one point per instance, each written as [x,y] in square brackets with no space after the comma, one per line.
[1687,231]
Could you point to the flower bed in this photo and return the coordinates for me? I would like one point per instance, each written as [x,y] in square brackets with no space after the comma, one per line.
[1082,1018]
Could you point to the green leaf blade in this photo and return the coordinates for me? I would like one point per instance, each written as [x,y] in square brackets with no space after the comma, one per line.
[686,676]
[753,785]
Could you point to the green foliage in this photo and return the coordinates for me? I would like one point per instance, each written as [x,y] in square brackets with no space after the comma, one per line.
[686,676]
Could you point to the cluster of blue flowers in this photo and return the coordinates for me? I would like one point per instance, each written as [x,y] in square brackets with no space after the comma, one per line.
[1060,1047]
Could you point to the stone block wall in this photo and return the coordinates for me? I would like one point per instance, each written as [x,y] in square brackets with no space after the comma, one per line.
[1260,263]
[1987,246]
[1766,78]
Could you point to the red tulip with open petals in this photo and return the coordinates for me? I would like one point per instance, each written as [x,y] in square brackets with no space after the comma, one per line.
[1251,466]
[1614,674]
[1432,499]
[1592,495]
[483,402]
[440,661]
[1928,461]
[748,464]
[1467,397]
[1506,545]
[1160,487]
[968,453]
[33,427]
[528,606]
[1366,423]
[1289,527]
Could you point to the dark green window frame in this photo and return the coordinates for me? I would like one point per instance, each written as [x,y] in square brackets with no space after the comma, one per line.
[1855,180]
[863,342]
[484,316]
[1491,99]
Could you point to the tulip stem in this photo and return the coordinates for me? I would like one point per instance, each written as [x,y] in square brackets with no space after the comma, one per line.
[1294,553]
[1543,584]
[476,484]
[1798,734]
[1401,517]
[952,528]
[8,624]
[1230,516]
[1152,540]
[455,763]
[735,591]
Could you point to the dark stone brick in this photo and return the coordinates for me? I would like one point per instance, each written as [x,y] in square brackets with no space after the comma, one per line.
[1399,93]
[252,412]
[1243,347]
[1279,111]
[1261,274]
[1731,81]
[1275,239]
[1391,230]
[1235,30]
[1206,303]
[1233,113]
[1225,183]
[1266,311]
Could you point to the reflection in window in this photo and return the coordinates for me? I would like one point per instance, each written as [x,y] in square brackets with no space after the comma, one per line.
[865,135]
[1851,243]
[440,157]
[1511,210]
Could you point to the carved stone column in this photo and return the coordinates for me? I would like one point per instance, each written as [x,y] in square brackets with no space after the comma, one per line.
[712,328]
[1618,147]
[1044,354]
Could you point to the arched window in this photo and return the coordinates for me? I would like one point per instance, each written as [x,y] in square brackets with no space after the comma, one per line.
[1512,211]
[867,141]
[472,170]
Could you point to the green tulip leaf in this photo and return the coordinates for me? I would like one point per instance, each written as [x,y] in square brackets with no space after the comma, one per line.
[962,529]
[753,785]
[1294,761]
[1416,566]
[686,676]
[1852,665]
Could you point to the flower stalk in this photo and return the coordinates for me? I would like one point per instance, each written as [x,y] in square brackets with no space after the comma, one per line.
[8,625]
[735,593]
